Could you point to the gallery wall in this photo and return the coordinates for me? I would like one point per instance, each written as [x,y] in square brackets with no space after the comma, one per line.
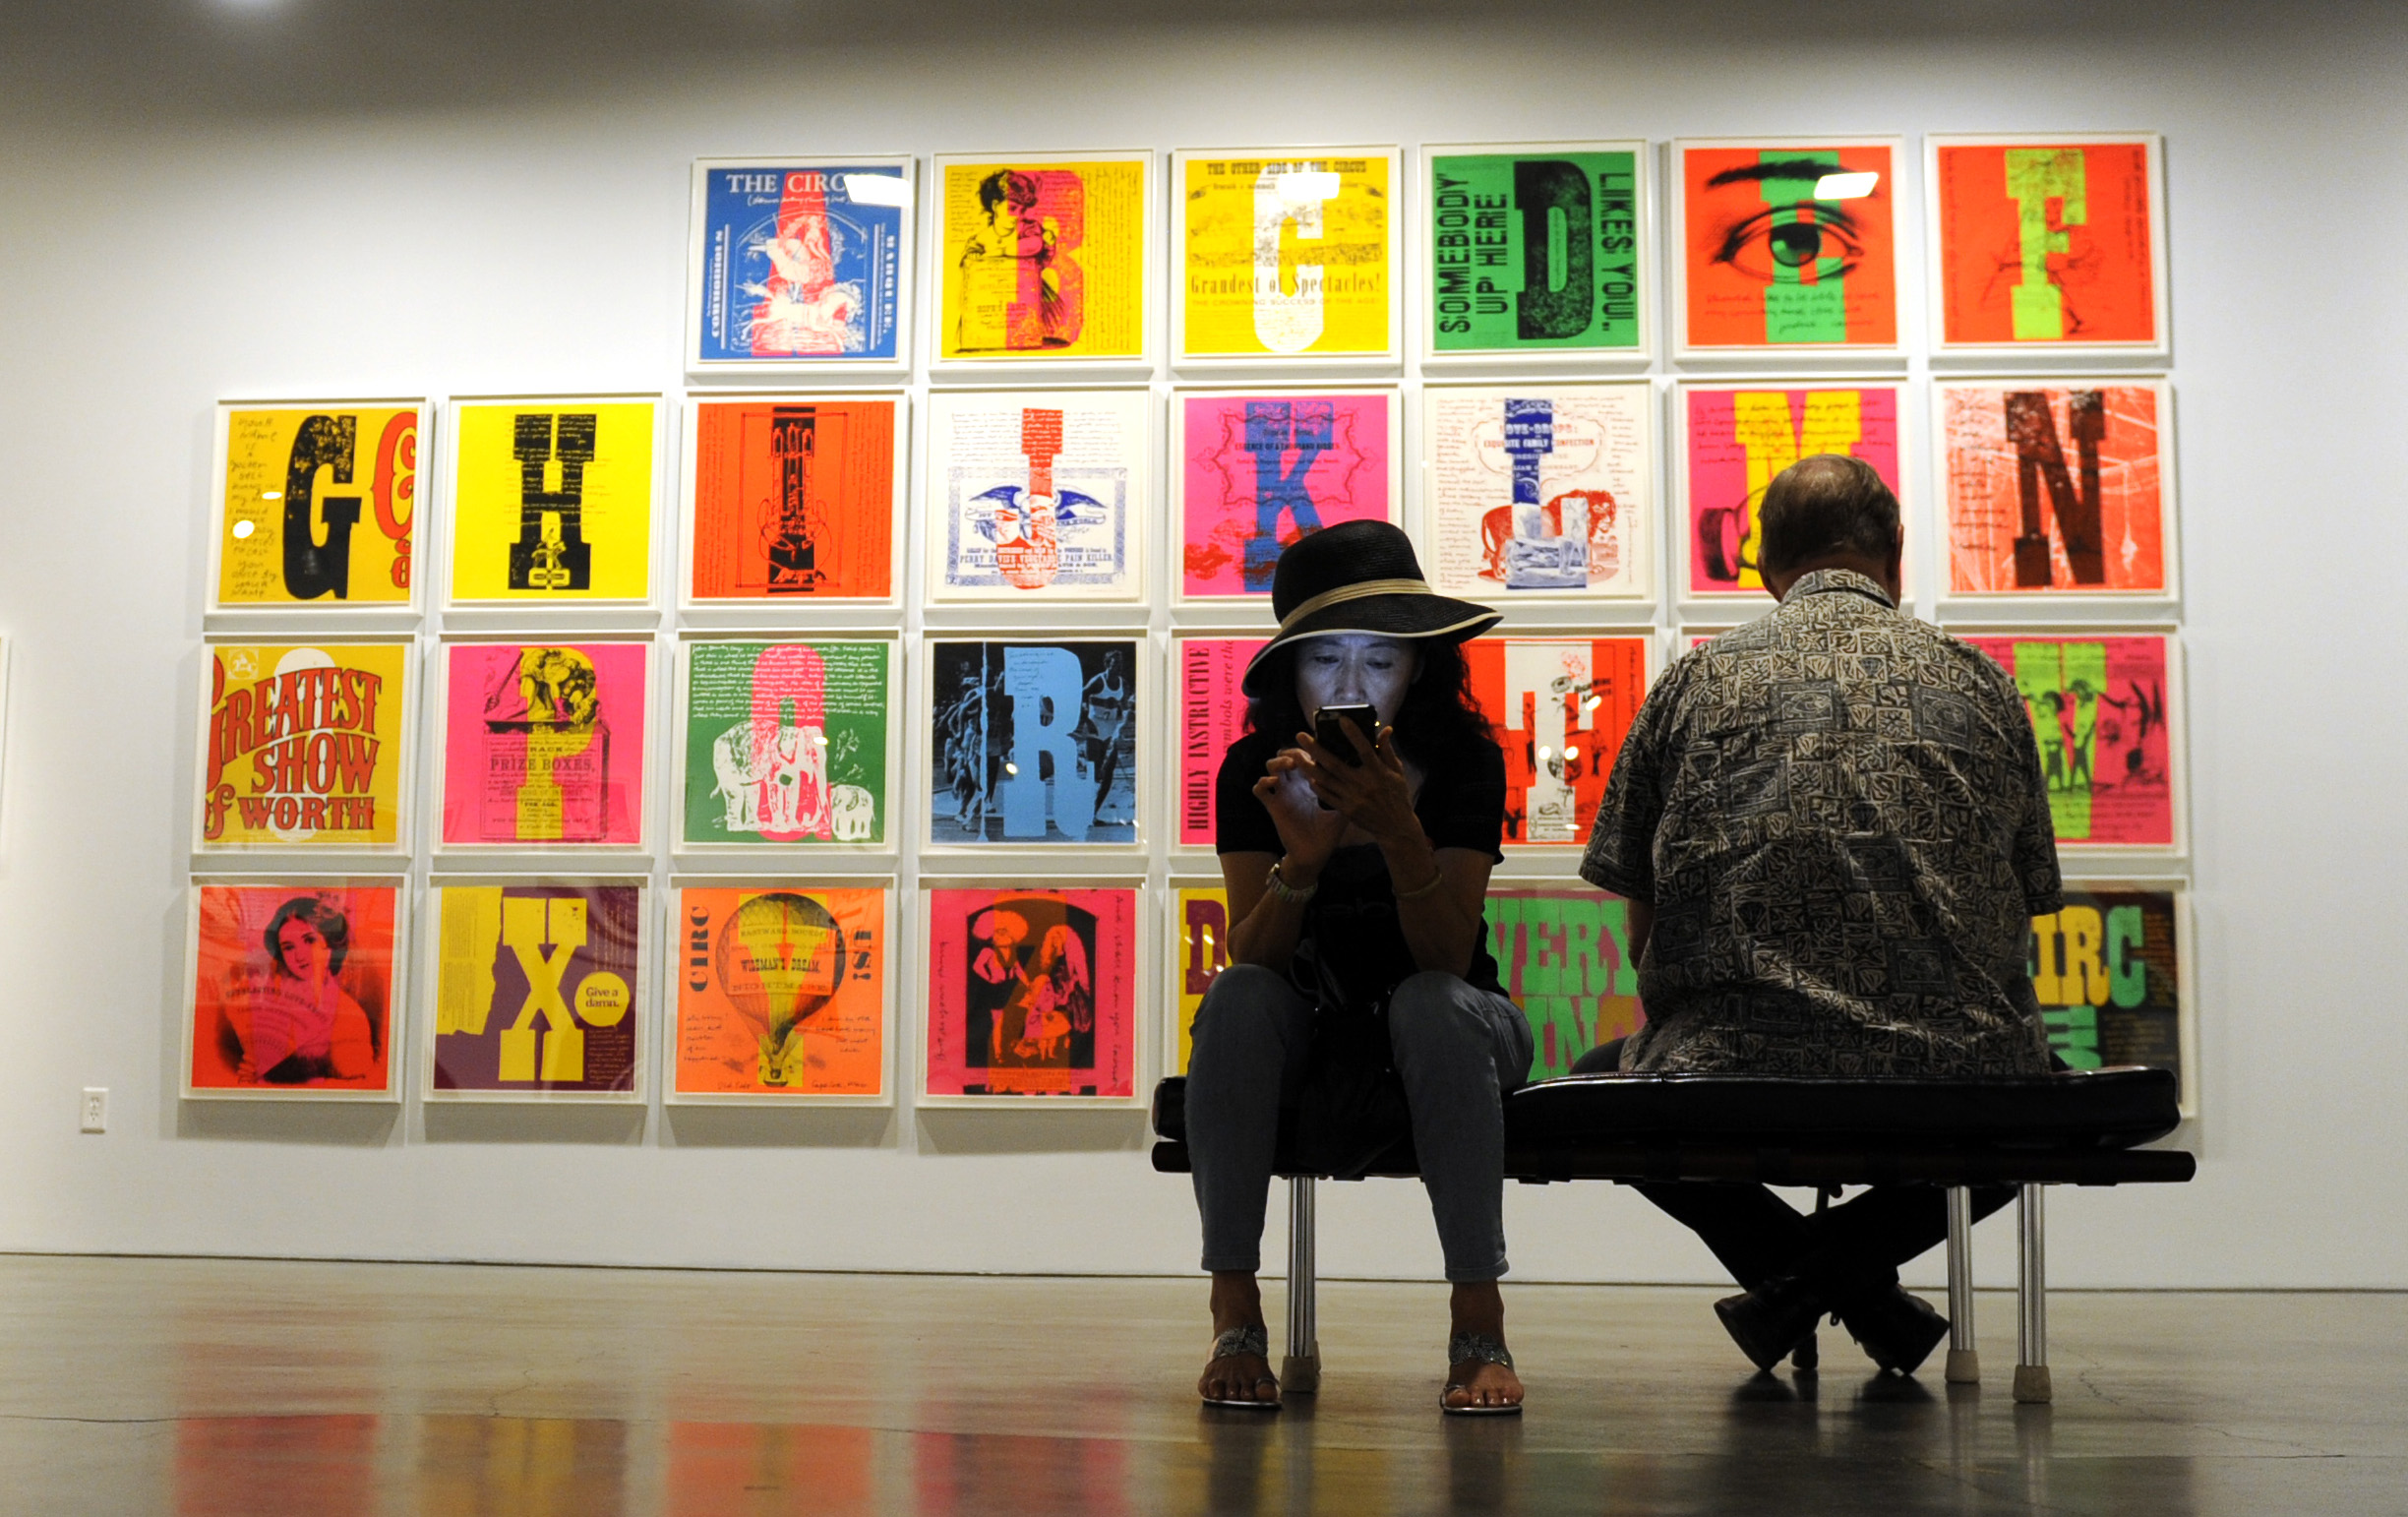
[484,215]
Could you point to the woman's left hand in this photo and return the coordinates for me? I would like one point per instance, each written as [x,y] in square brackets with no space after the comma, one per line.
[1375,795]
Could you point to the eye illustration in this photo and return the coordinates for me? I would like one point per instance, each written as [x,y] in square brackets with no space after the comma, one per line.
[1788,229]
[1773,245]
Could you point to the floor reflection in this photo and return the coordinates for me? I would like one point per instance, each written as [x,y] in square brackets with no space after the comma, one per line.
[133,1387]
[1883,1446]
[239,1466]
[733,1469]
[520,1467]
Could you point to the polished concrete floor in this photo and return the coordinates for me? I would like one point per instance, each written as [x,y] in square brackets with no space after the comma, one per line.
[243,1388]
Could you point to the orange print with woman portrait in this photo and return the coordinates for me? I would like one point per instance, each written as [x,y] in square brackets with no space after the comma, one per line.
[293,989]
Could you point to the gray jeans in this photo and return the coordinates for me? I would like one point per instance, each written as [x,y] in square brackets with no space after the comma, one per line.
[1459,1052]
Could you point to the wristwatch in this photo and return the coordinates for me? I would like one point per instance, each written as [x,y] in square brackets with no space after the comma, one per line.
[1286,893]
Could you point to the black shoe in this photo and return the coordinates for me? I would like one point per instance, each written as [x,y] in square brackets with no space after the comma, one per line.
[1768,1321]
[1898,1329]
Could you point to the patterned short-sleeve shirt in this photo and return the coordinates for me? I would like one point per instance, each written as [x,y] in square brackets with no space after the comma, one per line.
[1838,815]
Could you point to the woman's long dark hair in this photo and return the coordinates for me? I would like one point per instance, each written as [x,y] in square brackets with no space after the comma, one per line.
[1440,714]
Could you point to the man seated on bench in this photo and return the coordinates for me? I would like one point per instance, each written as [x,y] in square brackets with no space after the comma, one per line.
[1833,831]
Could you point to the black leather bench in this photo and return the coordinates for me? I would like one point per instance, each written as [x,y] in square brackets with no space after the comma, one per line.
[2080,1128]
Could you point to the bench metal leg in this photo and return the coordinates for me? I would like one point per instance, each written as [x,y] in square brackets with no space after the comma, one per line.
[1300,1371]
[2031,1377]
[1963,1361]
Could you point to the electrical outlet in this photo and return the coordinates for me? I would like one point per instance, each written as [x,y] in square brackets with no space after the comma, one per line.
[96,1108]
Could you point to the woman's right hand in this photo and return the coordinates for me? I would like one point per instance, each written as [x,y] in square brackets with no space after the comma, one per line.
[1307,830]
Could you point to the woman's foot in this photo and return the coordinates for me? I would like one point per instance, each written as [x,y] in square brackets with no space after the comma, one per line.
[1240,1370]
[1477,1382]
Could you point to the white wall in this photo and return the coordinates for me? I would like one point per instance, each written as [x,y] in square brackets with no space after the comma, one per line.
[292,202]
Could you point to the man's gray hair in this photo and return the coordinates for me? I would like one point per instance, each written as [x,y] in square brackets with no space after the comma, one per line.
[1826,504]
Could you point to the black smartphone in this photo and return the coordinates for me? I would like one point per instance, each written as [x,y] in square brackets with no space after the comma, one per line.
[1329,735]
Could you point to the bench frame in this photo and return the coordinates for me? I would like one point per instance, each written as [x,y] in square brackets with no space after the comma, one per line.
[1300,1368]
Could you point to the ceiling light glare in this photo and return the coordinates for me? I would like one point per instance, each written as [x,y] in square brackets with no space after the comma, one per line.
[877,189]
[1847,186]
[244,529]
[1308,186]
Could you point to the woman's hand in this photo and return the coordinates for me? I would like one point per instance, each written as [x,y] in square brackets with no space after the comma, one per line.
[1375,795]
[1307,830]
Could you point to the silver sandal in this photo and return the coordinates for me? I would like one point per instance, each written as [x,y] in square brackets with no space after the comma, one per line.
[1254,1340]
[1482,1349]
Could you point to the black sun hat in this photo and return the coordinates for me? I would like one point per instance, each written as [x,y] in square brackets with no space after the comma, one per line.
[1360,577]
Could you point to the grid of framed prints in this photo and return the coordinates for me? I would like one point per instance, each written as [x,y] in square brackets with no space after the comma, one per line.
[841,727]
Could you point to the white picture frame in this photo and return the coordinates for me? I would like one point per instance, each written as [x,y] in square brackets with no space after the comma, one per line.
[947,252]
[714,259]
[678,964]
[639,985]
[1682,240]
[1196,354]
[1645,299]
[380,496]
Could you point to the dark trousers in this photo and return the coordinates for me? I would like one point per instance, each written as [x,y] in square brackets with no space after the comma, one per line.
[1849,1251]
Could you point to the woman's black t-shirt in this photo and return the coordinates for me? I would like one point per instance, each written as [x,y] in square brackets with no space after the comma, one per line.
[1352,920]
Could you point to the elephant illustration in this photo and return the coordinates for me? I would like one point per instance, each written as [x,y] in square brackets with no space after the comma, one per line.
[777,787]
[852,813]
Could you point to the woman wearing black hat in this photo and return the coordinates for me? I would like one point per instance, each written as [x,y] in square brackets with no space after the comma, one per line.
[1360,994]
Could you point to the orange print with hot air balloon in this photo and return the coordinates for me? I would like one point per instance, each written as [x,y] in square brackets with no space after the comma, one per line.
[781,993]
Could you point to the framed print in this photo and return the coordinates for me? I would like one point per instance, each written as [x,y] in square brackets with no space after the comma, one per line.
[544,742]
[2058,487]
[1043,258]
[2047,243]
[1539,491]
[1251,471]
[1199,951]
[1559,707]
[2111,970]
[2106,710]
[783,993]
[552,499]
[1034,741]
[305,746]
[787,742]
[1036,496]
[1285,254]
[538,990]
[1733,440]
[1536,251]
[1032,994]
[799,263]
[1786,244]
[1563,953]
[296,989]
[317,505]
[793,498]
[1212,714]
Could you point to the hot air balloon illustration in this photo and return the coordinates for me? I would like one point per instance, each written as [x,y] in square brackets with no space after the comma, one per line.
[780,958]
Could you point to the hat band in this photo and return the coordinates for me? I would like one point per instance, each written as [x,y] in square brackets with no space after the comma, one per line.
[1358,591]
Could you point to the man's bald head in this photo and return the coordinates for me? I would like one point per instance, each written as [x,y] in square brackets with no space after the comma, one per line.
[1828,506]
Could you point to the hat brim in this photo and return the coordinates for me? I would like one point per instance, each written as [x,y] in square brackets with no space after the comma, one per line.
[1409,618]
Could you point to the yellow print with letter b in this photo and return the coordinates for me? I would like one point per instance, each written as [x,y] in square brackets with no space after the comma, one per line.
[1288,256]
